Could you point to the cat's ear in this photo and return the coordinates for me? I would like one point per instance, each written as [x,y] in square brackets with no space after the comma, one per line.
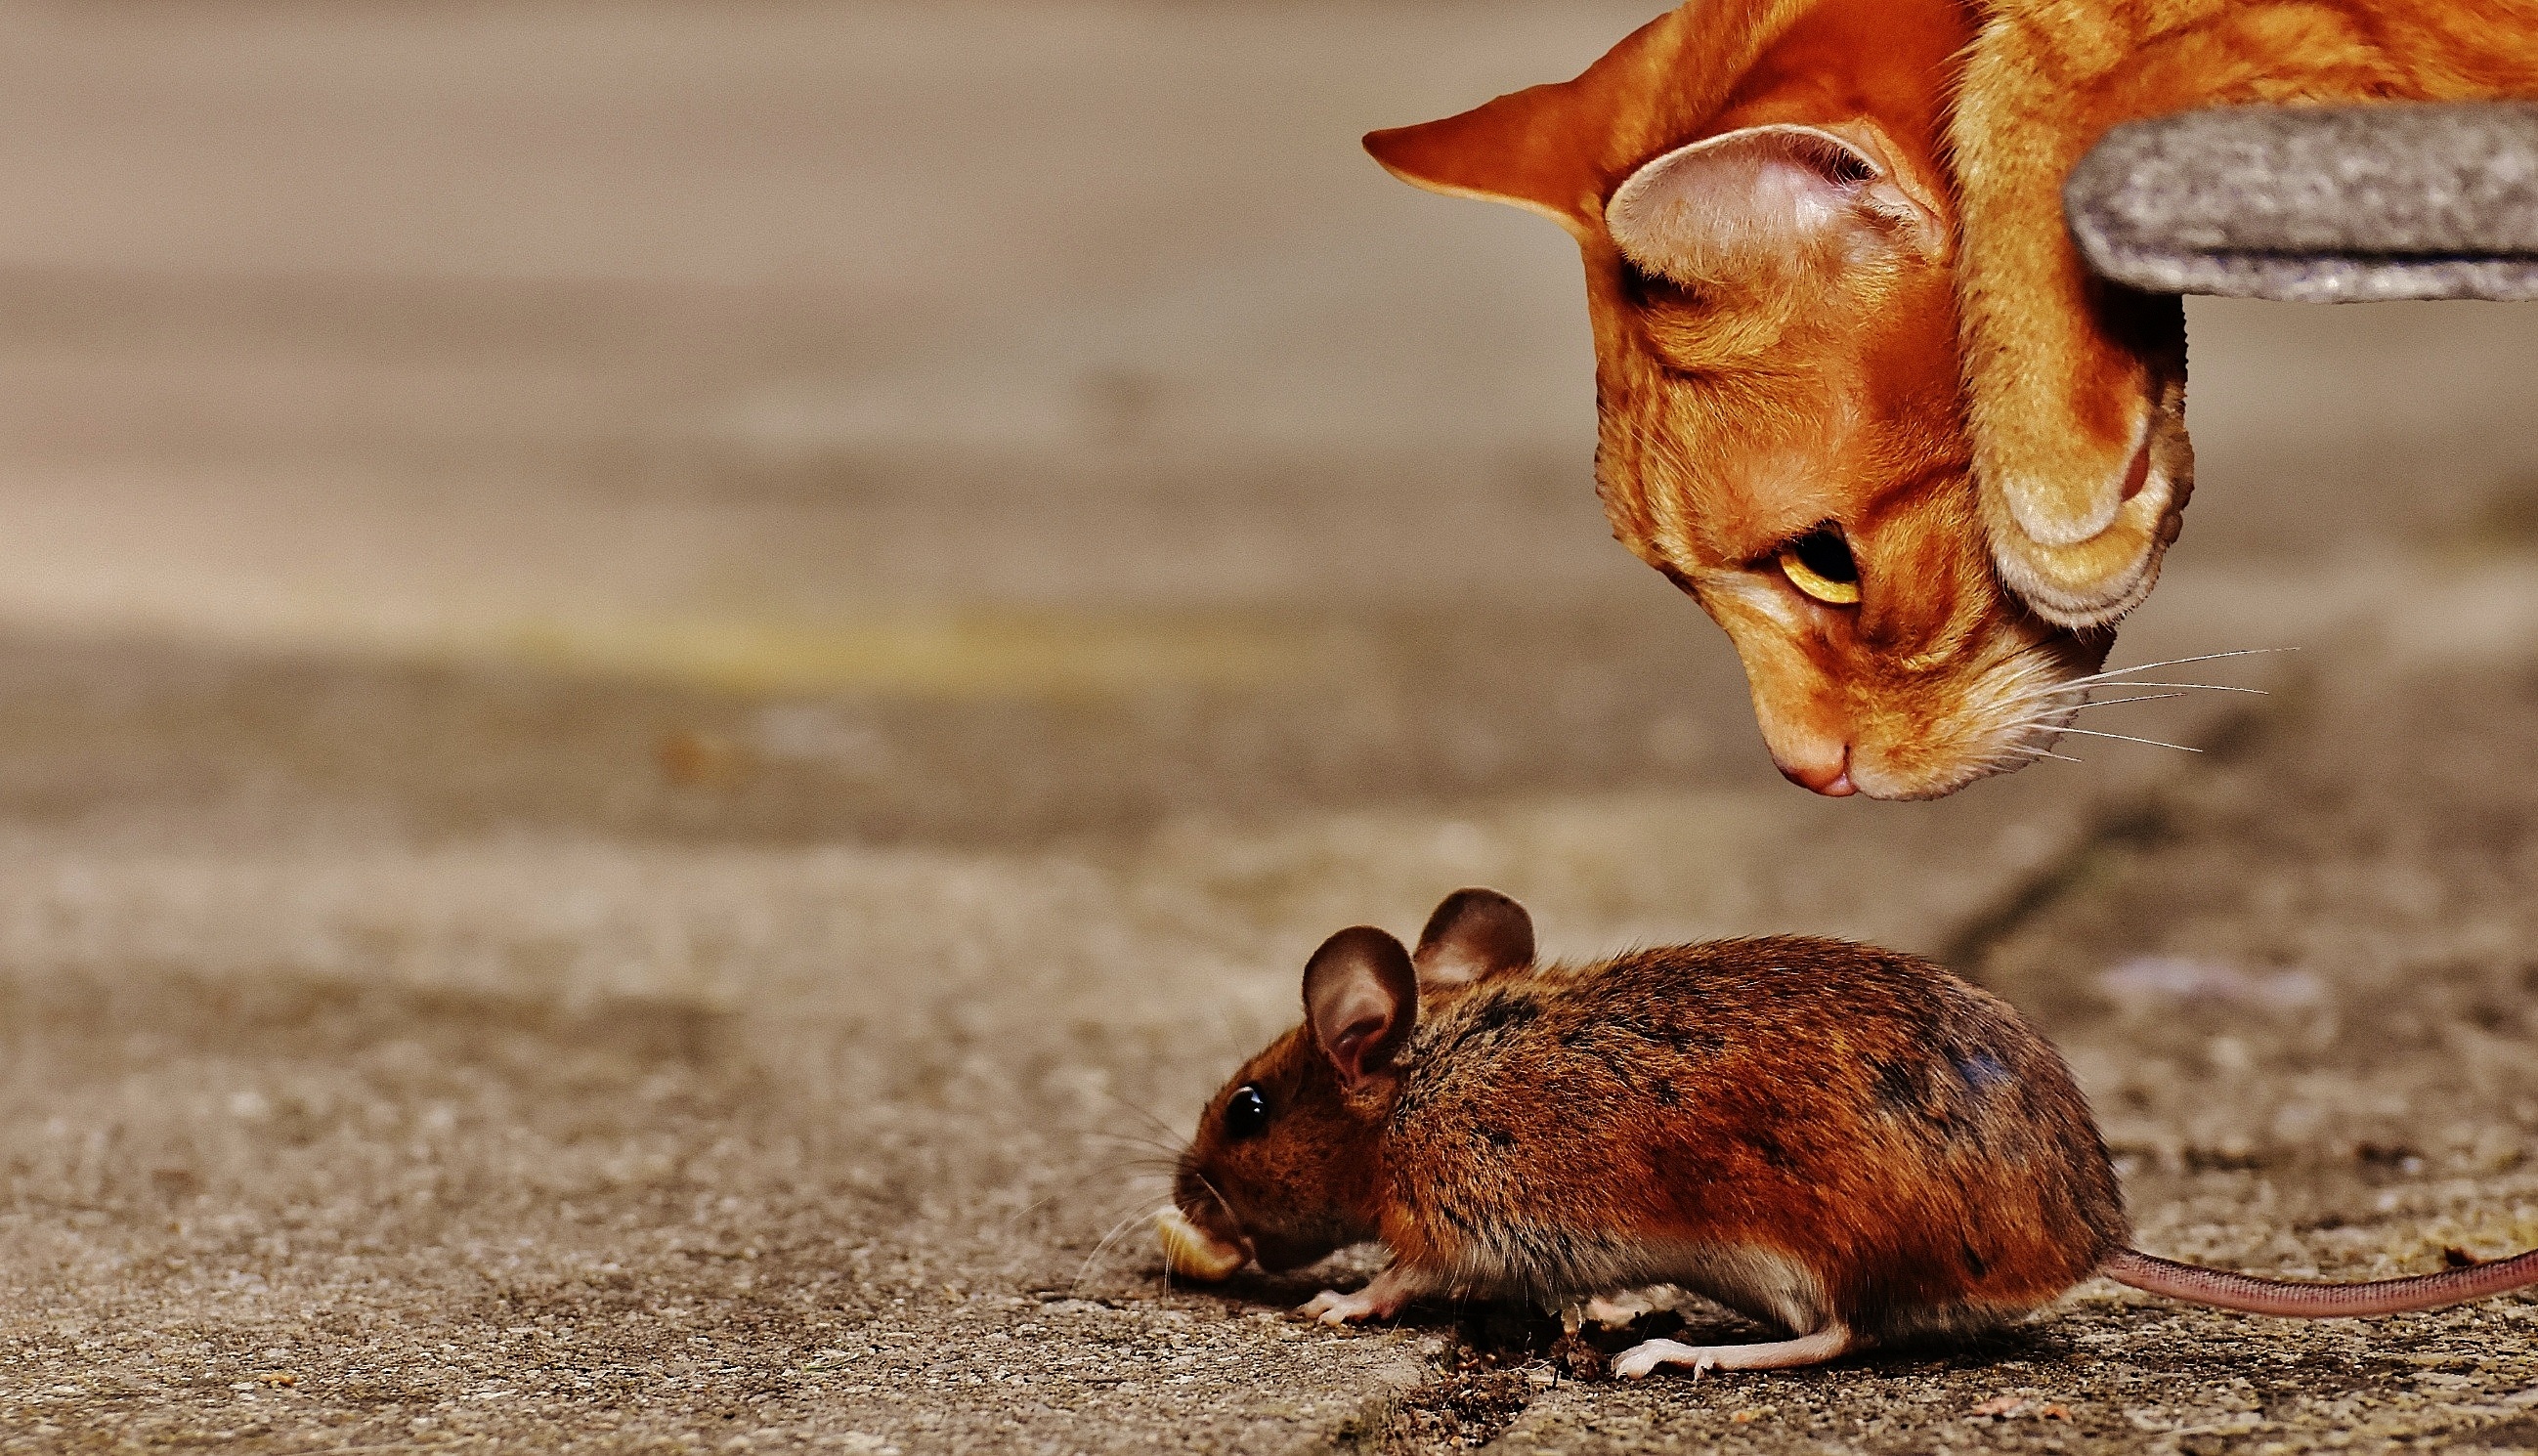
[1534,149]
[1768,200]
[1557,149]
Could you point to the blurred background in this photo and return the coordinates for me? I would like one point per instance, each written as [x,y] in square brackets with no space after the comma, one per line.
[640,628]
[991,396]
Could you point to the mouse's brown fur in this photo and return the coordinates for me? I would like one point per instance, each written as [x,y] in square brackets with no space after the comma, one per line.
[1848,1143]
[1861,1112]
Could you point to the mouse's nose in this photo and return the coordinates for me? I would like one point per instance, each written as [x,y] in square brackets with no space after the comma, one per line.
[1825,773]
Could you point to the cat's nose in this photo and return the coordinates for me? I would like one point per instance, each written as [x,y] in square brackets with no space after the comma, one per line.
[1827,773]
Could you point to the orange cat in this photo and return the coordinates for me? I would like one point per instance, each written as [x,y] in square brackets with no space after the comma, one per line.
[1824,306]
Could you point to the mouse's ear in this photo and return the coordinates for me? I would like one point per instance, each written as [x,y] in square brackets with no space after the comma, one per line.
[1361,1000]
[1764,200]
[1474,934]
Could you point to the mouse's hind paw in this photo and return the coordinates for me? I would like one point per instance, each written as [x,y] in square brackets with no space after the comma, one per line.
[1646,1357]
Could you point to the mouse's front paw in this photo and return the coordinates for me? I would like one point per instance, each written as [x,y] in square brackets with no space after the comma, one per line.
[1392,1290]
[1332,1308]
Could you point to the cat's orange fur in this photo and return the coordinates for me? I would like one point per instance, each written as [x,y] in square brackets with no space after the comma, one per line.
[1790,387]
[1797,362]
[2077,390]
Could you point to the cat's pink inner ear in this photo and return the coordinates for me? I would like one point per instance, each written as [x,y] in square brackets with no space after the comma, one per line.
[1767,200]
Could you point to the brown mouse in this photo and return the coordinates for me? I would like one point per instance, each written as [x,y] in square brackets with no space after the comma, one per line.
[1850,1143]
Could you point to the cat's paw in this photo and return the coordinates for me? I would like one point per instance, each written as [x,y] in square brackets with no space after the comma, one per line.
[2093,581]
[2082,498]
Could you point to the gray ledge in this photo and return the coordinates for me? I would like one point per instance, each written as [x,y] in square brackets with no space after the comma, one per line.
[2317,204]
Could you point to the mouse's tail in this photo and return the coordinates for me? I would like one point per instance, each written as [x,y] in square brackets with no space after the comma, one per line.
[2224,1290]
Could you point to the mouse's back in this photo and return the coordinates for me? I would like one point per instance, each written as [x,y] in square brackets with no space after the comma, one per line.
[1797,1127]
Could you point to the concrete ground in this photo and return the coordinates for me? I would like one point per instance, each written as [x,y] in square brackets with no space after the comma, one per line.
[674,679]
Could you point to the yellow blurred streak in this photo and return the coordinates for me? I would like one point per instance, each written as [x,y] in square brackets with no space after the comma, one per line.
[954,653]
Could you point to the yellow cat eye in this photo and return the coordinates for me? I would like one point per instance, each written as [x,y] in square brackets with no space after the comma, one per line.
[1819,563]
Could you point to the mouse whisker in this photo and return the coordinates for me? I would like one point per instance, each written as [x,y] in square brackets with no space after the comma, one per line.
[1117,1230]
[1166,1128]
[1067,1187]
[1212,1193]
[1234,1039]
[1136,1139]
[1220,1203]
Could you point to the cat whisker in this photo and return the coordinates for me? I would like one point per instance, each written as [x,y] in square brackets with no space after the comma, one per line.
[2143,667]
[2053,692]
[2120,701]
[2048,694]
[2206,686]
[2128,738]
[2037,753]
[2051,722]
[2044,712]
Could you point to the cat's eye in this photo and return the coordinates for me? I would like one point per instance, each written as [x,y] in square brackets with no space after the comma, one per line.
[1819,563]
[1246,1112]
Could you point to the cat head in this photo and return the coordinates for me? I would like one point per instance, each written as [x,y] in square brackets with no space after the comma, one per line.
[1769,232]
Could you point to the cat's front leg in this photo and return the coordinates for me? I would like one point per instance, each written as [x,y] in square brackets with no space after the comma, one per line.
[2076,389]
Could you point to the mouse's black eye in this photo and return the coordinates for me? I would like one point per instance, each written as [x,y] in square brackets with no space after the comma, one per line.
[1246,1112]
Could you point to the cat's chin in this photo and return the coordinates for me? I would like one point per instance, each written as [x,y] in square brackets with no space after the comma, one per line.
[1900,789]
[1981,721]
[1874,786]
